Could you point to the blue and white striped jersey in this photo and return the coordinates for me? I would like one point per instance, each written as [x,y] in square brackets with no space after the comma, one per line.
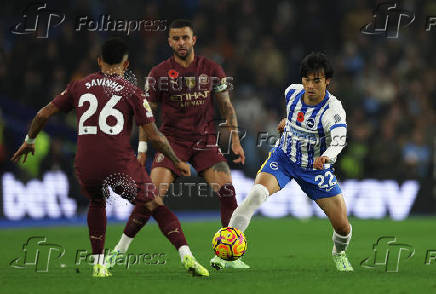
[307,133]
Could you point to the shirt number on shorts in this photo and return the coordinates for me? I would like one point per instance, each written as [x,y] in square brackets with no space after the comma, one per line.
[108,110]
[328,178]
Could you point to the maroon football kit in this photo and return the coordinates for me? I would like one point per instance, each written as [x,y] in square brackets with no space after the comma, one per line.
[105,106]
[187,110]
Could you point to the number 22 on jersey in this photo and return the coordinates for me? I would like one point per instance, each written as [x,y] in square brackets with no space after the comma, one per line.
[331,182]
[108,110]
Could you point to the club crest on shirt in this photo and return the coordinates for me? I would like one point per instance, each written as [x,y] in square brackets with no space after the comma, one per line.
[337,118]
[274,165]
[203,79]
[160,157]
[190,82]
[310,123]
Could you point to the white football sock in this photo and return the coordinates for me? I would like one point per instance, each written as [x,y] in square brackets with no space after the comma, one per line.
[184,250]
[98,259]
[124,243]
[340,243]
[242,215]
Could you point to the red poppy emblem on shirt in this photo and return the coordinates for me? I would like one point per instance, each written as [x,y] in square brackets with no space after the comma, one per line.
[172,73]
[300,116]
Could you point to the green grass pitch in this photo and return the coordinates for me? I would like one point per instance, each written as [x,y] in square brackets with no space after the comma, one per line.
[286,255]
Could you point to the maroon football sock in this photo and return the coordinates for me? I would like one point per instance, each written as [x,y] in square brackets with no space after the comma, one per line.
[228,203]
[97,225]
[169,225]
[137,220]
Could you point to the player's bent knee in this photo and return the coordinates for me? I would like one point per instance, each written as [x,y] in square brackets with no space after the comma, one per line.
[152,204]
[162,188]
[162,178]
[269,181]
[216,185]
[220,181]
[217,176]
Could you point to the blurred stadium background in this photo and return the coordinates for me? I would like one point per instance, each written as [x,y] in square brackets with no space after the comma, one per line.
[387,87]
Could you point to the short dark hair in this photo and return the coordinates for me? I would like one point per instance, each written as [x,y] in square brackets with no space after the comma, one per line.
[113,51]
[314,62]
[181,23]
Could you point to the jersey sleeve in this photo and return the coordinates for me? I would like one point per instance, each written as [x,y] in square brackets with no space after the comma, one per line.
[141,108]
[65,100]
[334,121]
[335,117]
[152,92]
[220,76]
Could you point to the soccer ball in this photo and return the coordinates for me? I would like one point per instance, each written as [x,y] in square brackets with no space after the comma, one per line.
[229,243]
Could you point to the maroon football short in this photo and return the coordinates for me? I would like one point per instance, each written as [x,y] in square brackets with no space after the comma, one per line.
[135,181]
[201,154]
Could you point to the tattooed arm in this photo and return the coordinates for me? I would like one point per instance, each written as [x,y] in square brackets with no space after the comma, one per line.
[228,113]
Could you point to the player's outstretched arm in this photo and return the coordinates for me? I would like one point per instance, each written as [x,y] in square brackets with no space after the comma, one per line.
[161,144]
[228,113]
[37,125]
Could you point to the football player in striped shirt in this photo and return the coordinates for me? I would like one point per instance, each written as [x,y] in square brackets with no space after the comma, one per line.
[313,134]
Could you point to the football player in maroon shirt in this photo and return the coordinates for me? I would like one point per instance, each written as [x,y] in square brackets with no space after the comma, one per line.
[186,86]
[105,104]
